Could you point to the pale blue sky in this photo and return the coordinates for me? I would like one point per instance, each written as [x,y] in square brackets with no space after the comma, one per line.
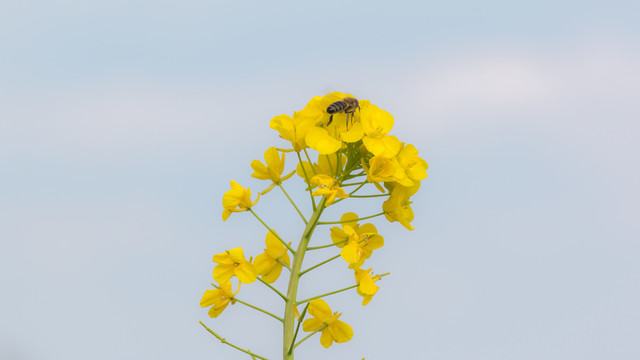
[121,124]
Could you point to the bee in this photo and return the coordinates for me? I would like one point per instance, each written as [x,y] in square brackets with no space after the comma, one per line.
[347,105]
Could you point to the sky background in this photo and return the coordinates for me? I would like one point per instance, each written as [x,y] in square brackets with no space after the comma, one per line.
[122,122]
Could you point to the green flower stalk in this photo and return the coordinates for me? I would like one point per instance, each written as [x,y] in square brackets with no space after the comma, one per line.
[354,150]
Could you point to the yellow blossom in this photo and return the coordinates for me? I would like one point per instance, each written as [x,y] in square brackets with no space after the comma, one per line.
[387,145]
[332,328]
[267,263]
[357,242]
[272,170]
[366,284]
[414,166]
[294,129]
[375,121]
[398,207]
[328,138]
[236,200]
[219,298]
[385,169]
[232,263]
[328,187]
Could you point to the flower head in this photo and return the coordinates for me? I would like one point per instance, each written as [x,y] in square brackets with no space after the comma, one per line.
[232,263]
[332,328]
[272,170]
[357,242]
[366,286]
[331,131]
[219,298]
[294,129]
[236,200]
[414,166]
[328,187]
[267,263]
[398,207]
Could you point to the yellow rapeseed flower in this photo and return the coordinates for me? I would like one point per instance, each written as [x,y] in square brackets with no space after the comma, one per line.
[219,298]
[236,200]
[267,263]
[414,166]
[386,169]
[398,207]
[328,138]
[272,170]
[332,328]
[294,129]
[232,263]
[366,284]
[357,242]
[328,187]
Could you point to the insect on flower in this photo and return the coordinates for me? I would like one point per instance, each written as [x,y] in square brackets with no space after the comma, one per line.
[347,105]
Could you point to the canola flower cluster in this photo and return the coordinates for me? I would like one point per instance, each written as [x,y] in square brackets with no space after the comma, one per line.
[354,149]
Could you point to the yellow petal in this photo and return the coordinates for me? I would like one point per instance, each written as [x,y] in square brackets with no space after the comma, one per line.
[209,297]
[367,286]
[350,252]
[213,312]
[236,254]
[355,133]
[264,263]
[338,237]
[225,214]
[246,273]
[275,248]
[274,274]
[272,158]
[319,139]
[386,146]
[326,339]
[311,325]
[341,331]
[222,273]
[259,170]
[375,242]
[319,308]
[223,258]
[348,221]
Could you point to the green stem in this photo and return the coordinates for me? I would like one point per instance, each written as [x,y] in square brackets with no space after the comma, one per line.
[369,196]
[304,312]
[306,177]
[292,203]
[272,288]
[224,341]
[257,308]
[326,246]
[327,294]
[354,184]
[320,264]
[348,221]
[273,232]
[294,278]
[308,336]
[334,292]
[309,160]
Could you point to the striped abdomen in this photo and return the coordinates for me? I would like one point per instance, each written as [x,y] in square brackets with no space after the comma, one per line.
[347,105]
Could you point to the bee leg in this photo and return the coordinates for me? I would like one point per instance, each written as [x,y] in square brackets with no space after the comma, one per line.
[330,119]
